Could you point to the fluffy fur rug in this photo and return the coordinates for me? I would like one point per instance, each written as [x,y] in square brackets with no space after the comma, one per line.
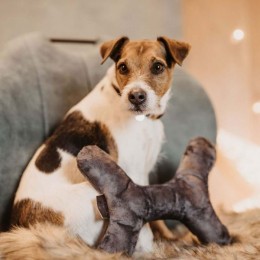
[245,230]
[55,243]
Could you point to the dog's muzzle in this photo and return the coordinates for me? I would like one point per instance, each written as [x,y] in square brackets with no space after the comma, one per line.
[137,96]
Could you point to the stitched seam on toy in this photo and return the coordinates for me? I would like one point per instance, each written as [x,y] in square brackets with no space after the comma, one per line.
[126,187]
[43,107]
[148,204]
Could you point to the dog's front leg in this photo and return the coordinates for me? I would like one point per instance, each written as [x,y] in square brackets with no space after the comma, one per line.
[159,228]
[145,240]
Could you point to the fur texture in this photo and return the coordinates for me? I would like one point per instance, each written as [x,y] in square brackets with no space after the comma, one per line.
[245,229]
[46,242]
[52,242]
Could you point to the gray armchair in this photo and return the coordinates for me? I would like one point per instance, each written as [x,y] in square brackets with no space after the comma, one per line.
[40,82]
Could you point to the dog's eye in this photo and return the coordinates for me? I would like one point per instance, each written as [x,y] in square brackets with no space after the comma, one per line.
[157,68]
[123,69]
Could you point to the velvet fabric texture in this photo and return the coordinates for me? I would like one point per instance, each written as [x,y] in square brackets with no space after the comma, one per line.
[39,82]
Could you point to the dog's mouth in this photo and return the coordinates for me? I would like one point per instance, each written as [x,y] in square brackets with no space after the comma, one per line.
[142,109]
[138,109]
[138,113]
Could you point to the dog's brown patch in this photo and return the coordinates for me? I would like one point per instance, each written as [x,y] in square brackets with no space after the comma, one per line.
[49,159]
[139,56]
[28,212]
[72,135]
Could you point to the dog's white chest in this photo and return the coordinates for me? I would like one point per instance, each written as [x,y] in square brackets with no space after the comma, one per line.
[138,146]
[138,143]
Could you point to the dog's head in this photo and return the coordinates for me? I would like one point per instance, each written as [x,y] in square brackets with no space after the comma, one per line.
[144,70]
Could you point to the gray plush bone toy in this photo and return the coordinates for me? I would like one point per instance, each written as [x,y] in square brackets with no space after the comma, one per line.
[129,206]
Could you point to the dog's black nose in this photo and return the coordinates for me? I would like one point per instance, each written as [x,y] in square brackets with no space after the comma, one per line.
[137,96]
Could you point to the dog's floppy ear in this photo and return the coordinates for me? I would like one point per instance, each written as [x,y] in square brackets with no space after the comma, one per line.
[112,48]
[176,50]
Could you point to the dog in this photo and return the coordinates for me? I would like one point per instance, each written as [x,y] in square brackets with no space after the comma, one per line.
[121,116]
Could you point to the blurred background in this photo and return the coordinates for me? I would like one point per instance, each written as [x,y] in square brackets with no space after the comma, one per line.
[224,35]
[225,58]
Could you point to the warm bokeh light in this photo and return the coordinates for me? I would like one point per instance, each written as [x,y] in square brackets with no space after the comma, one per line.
[245,156]
[243,153]
[256,107]
[238,35]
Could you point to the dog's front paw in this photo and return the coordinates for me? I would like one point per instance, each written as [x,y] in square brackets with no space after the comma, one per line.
[145,240]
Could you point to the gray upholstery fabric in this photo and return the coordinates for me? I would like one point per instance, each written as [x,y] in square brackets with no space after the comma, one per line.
[39,83]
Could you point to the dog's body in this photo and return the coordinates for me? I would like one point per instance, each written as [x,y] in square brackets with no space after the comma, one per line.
[65,190]
[52,188]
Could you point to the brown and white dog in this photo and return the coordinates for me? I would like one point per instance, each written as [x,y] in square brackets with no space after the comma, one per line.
[136,87]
